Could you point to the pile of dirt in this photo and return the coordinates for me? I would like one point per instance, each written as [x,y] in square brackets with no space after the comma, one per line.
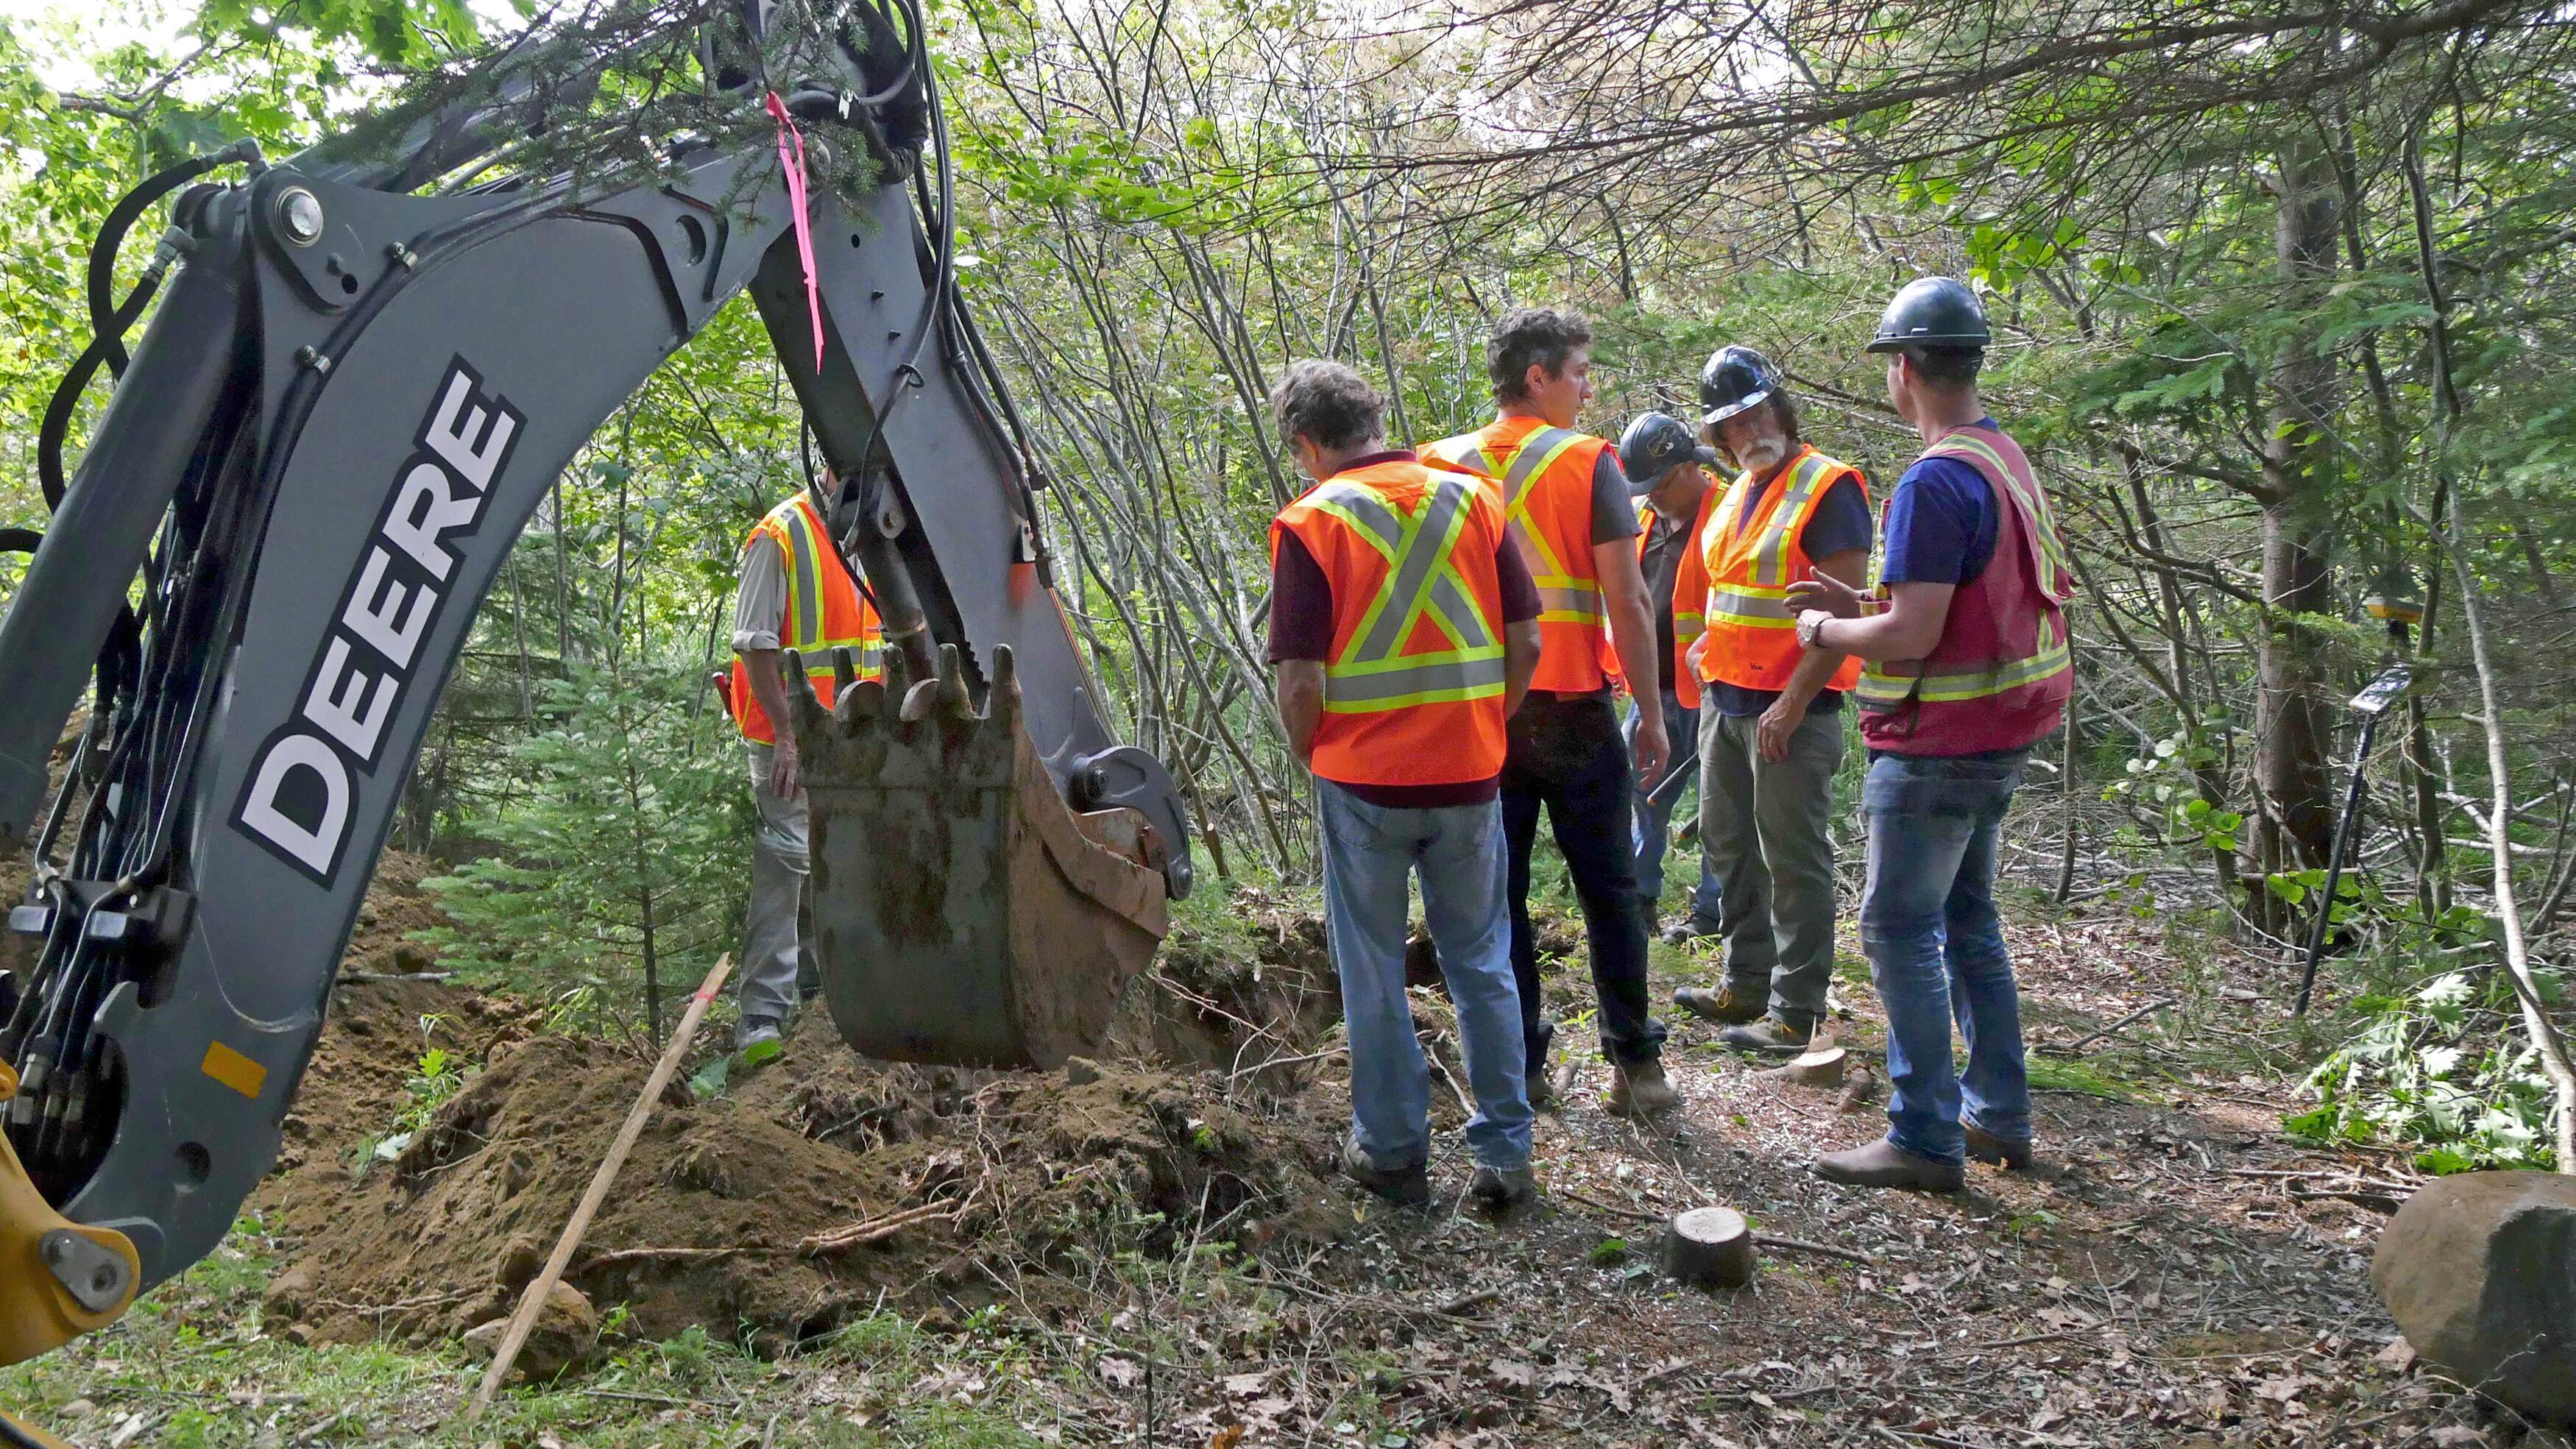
[817,1188]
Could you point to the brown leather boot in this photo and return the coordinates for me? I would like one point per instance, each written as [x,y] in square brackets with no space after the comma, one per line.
[1724,1005]
[1771,1036]
[1639,1089]
[2003,1152]
[1884,1164]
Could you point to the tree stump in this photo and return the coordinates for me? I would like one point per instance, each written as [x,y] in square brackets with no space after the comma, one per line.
[1821,1066]
[1711,1247]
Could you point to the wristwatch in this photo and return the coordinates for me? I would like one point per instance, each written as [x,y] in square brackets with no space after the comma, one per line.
[1811,631]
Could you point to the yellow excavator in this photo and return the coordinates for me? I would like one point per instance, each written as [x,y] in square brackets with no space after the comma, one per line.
[363,368]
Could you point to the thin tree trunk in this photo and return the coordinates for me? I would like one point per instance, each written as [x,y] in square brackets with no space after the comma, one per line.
[2545,1039]
[2292,733]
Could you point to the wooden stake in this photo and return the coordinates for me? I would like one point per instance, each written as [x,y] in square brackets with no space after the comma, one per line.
[525,1320]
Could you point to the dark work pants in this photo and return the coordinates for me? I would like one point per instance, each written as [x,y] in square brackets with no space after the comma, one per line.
[1566,755]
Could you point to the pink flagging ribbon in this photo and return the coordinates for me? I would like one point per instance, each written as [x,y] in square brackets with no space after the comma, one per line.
[792,163]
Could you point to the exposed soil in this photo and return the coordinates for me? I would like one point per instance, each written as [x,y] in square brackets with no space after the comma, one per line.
[718,1212]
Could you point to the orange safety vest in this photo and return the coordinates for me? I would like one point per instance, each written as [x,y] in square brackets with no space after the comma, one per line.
[824,611]
[1752,636]
[1690,591]
[1413,688]
[1546,473]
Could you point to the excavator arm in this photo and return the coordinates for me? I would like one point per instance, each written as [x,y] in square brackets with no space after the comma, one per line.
[349,401]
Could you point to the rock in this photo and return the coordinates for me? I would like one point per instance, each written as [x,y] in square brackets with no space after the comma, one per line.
[78,1409]
[564,1338]
[2479,1271]
[1080,1071]
[411,960]
[520,1259]
[291,1292]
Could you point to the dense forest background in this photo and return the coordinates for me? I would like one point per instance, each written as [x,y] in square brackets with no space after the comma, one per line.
[2285,301]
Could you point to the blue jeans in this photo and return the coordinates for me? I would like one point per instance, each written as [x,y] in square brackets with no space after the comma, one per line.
[1370,853]
[1653,832]
[1936,947]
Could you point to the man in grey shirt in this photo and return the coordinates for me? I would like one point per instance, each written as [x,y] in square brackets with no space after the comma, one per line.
[796,592]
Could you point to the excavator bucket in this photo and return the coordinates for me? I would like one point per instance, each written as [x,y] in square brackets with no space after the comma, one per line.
[961,912]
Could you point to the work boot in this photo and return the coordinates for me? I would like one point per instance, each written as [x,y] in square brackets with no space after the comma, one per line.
[2003,1152]
[1638,1089]
[751,1031]
[1773,1035]
[1884,1164]
[1403,1186]
[1498,1188]
[1687,930]
[1725,1005]
[1542,1091]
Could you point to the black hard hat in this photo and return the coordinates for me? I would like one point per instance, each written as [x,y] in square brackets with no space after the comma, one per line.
[1932,312]
[1735,378]
[1654,445]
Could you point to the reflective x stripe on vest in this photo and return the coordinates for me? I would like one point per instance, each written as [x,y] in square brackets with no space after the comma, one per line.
[1562,597]
[1761,601]
[1370,674]
[805,630]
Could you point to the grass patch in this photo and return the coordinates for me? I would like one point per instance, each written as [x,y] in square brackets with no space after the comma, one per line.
[194,1362]
[2062,1075]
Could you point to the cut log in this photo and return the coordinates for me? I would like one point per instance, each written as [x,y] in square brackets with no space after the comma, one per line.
[1821,1066]
[1711,1247]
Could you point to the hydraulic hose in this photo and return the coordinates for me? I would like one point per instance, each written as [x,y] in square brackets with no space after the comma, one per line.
[108,323]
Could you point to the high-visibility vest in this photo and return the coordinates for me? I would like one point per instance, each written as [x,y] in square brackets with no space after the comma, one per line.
[1752,636]
[1413,688]
[1689,598]
[824,611]
[1546,473]
[2001,673]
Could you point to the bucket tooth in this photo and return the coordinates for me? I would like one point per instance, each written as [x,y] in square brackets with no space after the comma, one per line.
[961,912]
[803,707]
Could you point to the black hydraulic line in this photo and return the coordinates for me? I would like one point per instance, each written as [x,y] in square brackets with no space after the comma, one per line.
[57,424]
[77,581]
[105,326]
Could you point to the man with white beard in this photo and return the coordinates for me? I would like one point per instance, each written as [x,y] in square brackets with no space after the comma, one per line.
[1771,726]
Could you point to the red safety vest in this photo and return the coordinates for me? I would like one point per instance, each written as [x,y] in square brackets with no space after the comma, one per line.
[1690,594]
[1546,473]
[2000,676]
[824,611]
[1413,688]
[1752,637]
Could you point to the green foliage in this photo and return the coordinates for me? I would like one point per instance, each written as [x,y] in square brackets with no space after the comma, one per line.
[711,1079]
[627,852]
[2437,1068]
[2166,779]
